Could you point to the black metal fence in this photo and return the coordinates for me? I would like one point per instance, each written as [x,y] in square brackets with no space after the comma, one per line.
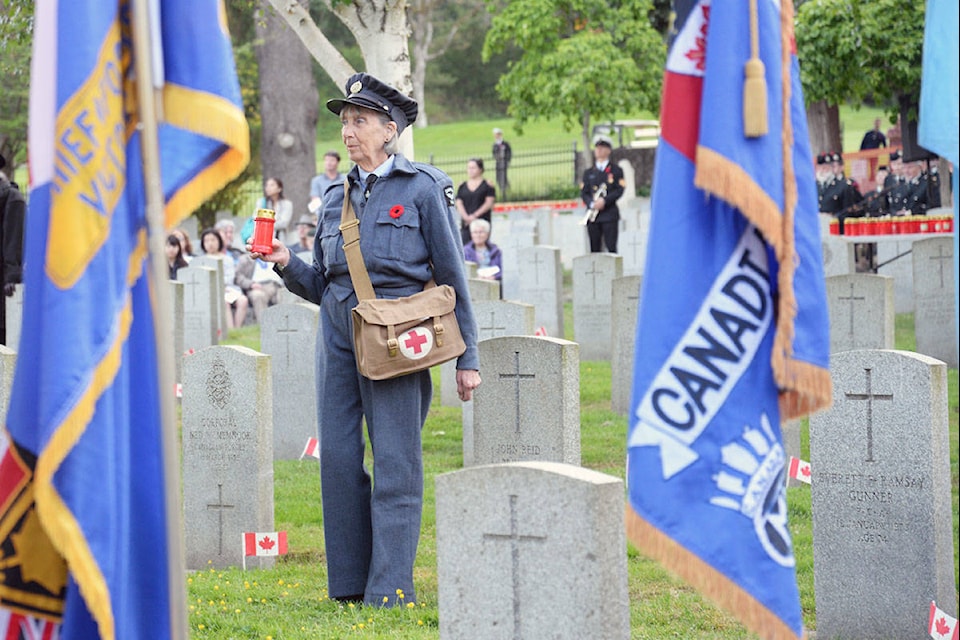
[538,173]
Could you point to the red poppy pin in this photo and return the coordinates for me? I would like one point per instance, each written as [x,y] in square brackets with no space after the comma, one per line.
[396,211]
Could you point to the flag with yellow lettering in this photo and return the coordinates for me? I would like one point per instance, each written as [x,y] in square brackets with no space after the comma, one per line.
[732,332]
[83,520]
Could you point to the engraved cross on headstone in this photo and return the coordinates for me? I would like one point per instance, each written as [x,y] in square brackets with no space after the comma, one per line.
[515,539]
[284,330]
[593,272]
[537,261]
[517,376]
[634,244]
[191,285]
[940,258]
[869,396]
[492,329]
[852,299]
[220,506]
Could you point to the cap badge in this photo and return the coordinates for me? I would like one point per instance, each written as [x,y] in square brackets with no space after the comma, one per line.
[356,86]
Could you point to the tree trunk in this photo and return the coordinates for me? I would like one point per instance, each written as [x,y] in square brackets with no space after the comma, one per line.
[380,29]
[422,37]
[823,122]
[288,108]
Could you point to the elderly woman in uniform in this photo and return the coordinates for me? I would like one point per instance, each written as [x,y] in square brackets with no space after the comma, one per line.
[407,235]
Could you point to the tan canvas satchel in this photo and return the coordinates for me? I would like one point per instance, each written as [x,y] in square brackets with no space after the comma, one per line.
[395,337]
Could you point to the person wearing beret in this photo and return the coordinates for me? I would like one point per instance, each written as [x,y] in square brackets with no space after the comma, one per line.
[408,235]
[12,209]
[604,230]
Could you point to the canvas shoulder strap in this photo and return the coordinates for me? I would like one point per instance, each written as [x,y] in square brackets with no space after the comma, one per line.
[350,230]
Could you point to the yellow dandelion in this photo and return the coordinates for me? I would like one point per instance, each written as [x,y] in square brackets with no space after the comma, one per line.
[386,599]
[210,603]
[223,602]
[420,622]
[269,638]
[216,587]
[209,561]
[285,594]
[189,580]
[410,605]
[193,607]
[361,626]
[400,592]
[246,585]
[280,581]
[350,605]
[199,601]
[236,610]
[201,626]
[263,601]
[249,600]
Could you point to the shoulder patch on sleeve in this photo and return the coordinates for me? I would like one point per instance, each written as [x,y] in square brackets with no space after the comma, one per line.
[448,192]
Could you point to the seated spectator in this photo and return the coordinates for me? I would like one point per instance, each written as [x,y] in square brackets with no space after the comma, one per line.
[306,234]
[185,243]
[226,229]
[174,252]
[485,254]
[259,282]
[236,302]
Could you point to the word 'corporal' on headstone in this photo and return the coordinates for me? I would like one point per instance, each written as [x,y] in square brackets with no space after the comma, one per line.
[935,312]
[592,278]
[881,496]
[288,333]
[543,543]
[528,407]
[227,453]
[861,312]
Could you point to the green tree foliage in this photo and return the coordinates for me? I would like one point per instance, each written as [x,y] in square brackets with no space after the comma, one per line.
[16,28]
[860,50]
[581,59]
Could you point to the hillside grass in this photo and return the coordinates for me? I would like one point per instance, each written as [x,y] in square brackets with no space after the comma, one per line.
[291,602]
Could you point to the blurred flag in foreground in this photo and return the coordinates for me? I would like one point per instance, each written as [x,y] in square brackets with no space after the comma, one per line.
[732,331]
[83,524]
[799,470]
[942,626]
[938,128]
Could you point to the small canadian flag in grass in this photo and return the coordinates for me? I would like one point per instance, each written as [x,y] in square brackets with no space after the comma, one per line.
[942,626]
[273,543]
[311,449]
[541,331]
[799,470]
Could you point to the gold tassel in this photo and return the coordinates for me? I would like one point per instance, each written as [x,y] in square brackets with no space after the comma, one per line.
[754,85]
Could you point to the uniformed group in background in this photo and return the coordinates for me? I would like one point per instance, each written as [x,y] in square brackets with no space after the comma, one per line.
[903,188]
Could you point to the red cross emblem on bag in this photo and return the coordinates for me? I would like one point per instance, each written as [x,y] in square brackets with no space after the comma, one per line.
[415,343]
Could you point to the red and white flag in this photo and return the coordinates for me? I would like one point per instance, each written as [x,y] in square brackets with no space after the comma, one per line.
[942,626]
[541,331]
[799,470]
[273,543]
[312,449]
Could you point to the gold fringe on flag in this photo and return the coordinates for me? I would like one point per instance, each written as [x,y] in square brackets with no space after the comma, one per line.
[724,592]
[754,85]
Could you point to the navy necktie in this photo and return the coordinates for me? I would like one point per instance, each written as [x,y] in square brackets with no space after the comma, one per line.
[370,180]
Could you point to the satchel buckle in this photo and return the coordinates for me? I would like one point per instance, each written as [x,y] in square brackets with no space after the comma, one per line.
[349,224]
[438,332]
[392,347]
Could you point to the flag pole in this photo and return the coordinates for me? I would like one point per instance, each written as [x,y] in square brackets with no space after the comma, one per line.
[147,100]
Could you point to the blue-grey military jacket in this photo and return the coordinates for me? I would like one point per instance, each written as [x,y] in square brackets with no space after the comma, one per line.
[406,225]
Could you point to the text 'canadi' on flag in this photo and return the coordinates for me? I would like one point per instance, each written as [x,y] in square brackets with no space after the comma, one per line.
[745,343]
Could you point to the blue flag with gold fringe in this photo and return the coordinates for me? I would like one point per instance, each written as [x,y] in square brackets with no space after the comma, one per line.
[83,524]
[732,333]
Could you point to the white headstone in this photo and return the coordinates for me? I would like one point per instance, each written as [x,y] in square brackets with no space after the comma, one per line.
[881,491]
[592,278]
[861,312]
[935,311]
[227,453]
[531,550]
[528,407]
[288,333]
[626,298]
[542,286]
[200,303]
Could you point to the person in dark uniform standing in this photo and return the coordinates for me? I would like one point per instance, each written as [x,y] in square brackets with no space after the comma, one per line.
[12,209]
[874,139]
[408,235]
[601,187]
[502,155]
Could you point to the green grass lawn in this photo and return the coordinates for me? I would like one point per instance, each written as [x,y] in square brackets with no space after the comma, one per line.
[290,601]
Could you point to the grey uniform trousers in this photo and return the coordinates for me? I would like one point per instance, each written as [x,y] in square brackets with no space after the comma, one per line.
[371,529]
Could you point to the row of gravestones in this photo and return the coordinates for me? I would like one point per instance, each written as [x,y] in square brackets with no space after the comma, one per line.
[881,489]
